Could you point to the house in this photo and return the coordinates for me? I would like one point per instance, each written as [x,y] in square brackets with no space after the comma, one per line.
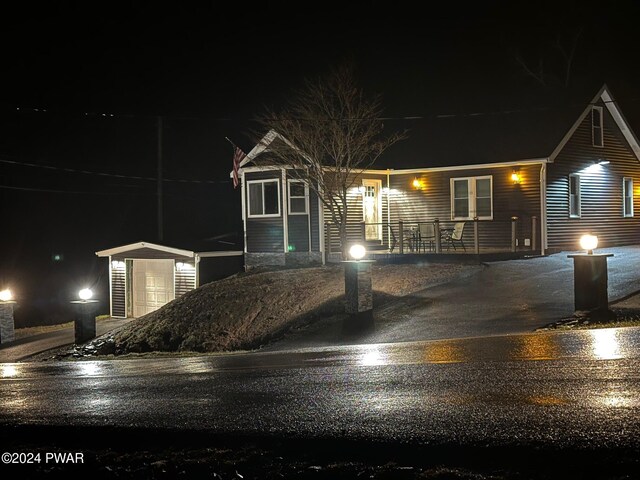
[145,276]
[535,178]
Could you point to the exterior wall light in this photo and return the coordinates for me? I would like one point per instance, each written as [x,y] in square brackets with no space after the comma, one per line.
[416,183]
[357,252]
[361,189]
[385,190]
[6,295]
[516,178]
[85,294]
[589,243]
[603,161]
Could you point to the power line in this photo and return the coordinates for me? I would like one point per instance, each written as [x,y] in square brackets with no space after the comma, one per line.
[72,192]
[104,174]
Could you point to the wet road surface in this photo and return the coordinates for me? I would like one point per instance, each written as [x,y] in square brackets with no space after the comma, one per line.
[560,389]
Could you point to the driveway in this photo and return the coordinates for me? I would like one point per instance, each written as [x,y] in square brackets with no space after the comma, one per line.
[508,297]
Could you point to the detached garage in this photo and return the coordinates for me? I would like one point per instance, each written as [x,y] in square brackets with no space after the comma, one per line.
[143,277]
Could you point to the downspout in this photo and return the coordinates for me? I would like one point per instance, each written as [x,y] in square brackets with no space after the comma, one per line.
[285,211]
[243,194]
[388,209]
[543,208]
[111,290]
[321,227]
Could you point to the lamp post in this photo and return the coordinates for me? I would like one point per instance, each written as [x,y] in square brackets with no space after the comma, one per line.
[358,292]
[85,316]
[7,325]
[590,279]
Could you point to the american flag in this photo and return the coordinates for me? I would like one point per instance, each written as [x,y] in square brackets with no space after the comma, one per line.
[238,155]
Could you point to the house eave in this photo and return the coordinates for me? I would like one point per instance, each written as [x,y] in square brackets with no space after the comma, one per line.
[135,246]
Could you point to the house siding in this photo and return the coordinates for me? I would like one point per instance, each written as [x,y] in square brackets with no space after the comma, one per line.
[118,291]
[600,189]
[433,201]
[314,215]
[355,215]
[184,279]
[265,235]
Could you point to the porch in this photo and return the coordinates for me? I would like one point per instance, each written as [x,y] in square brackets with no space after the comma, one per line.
[412,240]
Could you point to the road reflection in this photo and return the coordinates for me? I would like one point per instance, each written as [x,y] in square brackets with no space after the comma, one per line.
[598,344]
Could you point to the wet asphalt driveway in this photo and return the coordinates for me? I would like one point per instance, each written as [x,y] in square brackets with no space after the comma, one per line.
[507,297]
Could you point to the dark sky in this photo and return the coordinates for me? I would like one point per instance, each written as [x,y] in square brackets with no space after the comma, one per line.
[105,71]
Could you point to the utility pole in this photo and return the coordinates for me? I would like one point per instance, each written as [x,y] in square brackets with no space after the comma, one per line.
[159,181]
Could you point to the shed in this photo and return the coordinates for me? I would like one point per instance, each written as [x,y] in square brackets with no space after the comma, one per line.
[144,276]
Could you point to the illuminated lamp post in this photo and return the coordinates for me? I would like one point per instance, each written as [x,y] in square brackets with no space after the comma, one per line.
[358,292]
[85,316]
[590,278]
[7,326]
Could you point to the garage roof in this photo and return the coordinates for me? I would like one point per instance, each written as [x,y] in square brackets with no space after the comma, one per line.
[142,245]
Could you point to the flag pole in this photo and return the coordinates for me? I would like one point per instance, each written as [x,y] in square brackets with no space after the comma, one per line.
[227,139]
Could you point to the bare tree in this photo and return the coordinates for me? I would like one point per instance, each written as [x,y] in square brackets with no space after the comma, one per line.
[328,134]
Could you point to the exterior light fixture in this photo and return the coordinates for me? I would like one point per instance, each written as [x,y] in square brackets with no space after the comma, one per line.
[357,252]
[589,243]
[385,190]
[603,161]
[6,295]
[416,183]
[85,294]
[515,177]
[361,189]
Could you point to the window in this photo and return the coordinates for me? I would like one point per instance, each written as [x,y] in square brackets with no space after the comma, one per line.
[264,198]
[574,196]
[472,197]
[627,196]
[596,127]
[298,197]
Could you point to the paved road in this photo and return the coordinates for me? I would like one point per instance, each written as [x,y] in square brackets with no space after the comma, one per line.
[568,389]
[509,297]
[23,348]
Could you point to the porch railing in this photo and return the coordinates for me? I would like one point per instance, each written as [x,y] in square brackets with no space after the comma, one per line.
[407,237]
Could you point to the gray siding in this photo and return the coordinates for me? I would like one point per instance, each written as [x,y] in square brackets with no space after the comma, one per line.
[185,280]
[314,212]
[298,233]
[265,234]
[433,200]
[601,189]
[118,292]
[355,216]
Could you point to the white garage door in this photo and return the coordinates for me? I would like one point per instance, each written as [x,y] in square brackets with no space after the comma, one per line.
[152,285]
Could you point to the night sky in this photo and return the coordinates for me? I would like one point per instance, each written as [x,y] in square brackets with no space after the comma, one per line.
[84,86]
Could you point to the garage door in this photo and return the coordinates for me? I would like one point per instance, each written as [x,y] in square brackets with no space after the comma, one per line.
[152,285]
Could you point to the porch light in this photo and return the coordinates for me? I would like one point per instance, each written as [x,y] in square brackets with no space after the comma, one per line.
[85,294]
[6,295]
[357,252]
[589,243]
[385,190]
[361,189]
[416,183]
[603,161]
[515,177]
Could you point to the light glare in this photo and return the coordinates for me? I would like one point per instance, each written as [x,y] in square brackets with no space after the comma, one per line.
[6,295]
[357,252]
[589,242]
[85,294]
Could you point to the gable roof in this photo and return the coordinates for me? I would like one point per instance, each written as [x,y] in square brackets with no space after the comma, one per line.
[140,245]
[536,130]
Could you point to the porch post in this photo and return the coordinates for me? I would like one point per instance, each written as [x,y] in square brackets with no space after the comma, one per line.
[476,235]
[401,236]
[436,232]
[534,233]
[514,225]
[363,231]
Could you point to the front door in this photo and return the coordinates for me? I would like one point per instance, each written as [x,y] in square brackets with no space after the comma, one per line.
[372,209]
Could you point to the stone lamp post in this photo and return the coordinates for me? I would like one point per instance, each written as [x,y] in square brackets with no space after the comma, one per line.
[7,325]
[590,278]
[85,316]
[358,293]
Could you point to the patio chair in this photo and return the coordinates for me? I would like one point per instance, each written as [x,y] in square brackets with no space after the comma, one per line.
[427,236]
[453,237]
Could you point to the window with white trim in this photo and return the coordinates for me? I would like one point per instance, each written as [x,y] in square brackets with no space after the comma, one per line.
[627,196]
[264,198]
[574,196]
[472,197]
[596,127]
[298,197]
